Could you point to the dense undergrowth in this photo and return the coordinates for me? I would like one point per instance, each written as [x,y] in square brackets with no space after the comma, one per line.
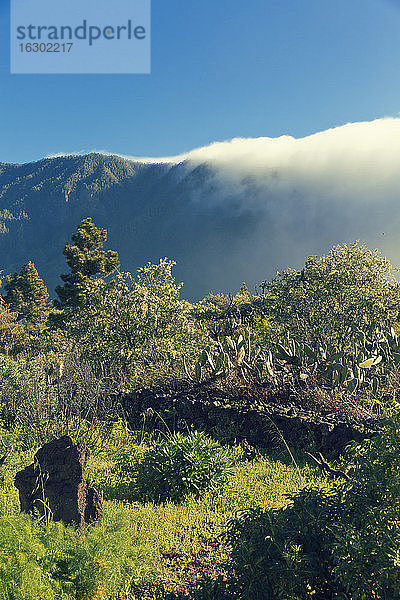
[273,528]
[142,549]
[187,515]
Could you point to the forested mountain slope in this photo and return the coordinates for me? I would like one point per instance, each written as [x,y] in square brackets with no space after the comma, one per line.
[220,231]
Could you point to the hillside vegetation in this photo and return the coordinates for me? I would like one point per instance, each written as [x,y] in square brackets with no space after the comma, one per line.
[221,227]
[135,200]
[190,513]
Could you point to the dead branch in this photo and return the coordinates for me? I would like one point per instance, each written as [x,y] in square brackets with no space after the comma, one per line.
[326,468]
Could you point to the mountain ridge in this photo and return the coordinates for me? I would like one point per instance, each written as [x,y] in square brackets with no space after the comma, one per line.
[42,202]
[227,213]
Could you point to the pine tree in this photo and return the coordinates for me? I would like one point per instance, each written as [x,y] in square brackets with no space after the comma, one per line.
[27,294]
[86,259]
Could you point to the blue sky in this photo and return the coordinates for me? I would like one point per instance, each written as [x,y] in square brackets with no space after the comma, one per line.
[220,69]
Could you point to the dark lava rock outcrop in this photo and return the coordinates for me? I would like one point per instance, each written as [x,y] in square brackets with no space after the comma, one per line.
[56,483]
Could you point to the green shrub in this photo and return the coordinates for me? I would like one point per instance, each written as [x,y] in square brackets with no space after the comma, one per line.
[181,465]
[55,562]
[279,555]
[136,331]
[334,295]
[22,557]
[342,544]
[117,481]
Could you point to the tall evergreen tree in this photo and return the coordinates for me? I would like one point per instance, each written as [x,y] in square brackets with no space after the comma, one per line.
[86,259]
[26,293]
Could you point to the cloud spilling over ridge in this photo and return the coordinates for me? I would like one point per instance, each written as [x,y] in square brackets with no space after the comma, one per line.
[359,160]
[353,159]
[247,207]
[305,194]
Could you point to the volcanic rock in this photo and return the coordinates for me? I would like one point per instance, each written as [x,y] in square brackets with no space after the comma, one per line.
[55,483]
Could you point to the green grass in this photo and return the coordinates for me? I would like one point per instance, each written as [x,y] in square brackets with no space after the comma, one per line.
[140,547]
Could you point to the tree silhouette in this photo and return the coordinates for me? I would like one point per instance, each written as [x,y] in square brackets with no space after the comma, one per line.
[26,293]
[86,259]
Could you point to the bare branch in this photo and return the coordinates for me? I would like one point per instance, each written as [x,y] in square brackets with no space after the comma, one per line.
[326,468]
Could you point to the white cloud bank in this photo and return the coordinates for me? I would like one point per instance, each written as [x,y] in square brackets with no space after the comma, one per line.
[361,160]
[331,187]
[353,159]
[271,202]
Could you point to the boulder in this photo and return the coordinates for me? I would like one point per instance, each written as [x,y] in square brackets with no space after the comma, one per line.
[56,482]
